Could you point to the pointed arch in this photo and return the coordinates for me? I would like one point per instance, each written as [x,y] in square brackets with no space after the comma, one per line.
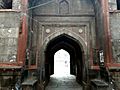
[70,42]
[77,38]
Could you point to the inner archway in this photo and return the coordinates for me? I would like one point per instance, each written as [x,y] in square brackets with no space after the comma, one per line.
[76,53]
[61,63]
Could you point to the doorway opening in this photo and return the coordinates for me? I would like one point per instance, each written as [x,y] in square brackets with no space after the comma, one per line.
[61,63]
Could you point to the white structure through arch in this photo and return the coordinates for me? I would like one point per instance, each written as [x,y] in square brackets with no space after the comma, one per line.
[61,63]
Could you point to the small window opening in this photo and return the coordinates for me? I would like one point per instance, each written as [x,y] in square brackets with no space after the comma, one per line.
[118,4]
[5,4]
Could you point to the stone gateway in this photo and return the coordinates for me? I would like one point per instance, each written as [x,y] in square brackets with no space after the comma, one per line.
[32,31]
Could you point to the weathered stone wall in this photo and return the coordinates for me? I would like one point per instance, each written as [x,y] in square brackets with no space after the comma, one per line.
[115,33]
[9,30]
[115,30]
[62,7]
[115,39]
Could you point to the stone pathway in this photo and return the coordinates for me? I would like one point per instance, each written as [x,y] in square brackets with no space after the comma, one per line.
[63,83]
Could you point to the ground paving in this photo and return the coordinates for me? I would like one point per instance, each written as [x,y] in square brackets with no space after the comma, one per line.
[63,83]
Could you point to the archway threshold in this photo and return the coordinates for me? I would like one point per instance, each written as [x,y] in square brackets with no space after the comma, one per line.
[63,83]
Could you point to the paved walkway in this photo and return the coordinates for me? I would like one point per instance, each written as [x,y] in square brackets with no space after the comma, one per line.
[63,83]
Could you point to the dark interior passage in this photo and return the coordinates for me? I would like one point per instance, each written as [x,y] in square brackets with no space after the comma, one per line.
[72,46]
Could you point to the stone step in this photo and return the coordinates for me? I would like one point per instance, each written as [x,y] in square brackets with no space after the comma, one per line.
[63,83]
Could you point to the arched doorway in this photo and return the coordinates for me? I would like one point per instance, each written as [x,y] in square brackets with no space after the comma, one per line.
[61,63]
[73,47]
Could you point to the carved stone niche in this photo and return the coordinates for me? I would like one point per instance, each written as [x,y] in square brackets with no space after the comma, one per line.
[63,7]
